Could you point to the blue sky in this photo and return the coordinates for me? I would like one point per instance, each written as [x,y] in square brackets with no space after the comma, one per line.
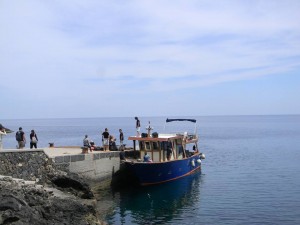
[71,58]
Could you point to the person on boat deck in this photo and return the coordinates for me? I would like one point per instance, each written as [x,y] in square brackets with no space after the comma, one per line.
[195,149]
[138,127]
[147,157]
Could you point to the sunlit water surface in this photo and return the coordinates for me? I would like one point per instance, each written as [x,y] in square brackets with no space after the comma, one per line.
[250,174]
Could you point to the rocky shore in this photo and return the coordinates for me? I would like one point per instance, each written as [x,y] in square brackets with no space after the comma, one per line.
[34,191]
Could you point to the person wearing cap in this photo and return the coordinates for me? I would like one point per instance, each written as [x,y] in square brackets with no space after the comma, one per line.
[20,137]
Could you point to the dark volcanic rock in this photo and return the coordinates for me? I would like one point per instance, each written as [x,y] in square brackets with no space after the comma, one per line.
[57,199]
[72,183]
[29,204]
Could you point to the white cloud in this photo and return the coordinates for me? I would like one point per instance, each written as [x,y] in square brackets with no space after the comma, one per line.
[112,45]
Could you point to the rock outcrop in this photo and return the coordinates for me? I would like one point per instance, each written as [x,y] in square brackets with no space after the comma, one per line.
[23,202]
[34,191]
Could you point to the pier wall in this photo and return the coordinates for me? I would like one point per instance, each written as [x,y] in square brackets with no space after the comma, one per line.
[96,166]
[32,165]
[35,164]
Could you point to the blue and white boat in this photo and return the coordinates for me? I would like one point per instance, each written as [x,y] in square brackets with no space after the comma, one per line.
[173,155]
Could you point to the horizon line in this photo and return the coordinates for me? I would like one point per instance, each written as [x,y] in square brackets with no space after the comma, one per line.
[220,115]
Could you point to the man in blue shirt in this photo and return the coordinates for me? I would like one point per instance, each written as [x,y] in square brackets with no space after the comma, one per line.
[147,157]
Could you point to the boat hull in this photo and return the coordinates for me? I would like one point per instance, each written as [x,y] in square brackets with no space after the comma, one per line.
[156,173]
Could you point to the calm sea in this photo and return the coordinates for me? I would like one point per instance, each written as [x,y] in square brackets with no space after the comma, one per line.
[251,174]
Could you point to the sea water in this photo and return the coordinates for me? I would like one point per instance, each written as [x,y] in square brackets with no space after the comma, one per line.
[251,174]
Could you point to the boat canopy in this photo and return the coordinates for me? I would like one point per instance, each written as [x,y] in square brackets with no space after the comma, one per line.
[172,120]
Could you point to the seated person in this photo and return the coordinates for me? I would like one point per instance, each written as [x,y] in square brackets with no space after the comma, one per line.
[147,157]
[93,147]
[112,144]
[86,141]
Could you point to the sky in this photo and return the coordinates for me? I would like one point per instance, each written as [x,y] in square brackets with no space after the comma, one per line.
[113,58]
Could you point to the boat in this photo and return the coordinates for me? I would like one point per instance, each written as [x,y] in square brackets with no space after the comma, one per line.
[173,155]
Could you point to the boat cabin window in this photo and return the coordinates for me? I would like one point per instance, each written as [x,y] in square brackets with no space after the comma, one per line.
[142,145]
[155,146]
[147,145]
[180,152]
[167,150]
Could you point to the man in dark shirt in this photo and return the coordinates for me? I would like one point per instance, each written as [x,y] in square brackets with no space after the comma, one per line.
[105,139]
[20,137]
[121,137]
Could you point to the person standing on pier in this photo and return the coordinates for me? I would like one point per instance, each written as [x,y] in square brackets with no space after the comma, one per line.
[33,139]
[121,137]
[105,139]
[138,127]
[21,139]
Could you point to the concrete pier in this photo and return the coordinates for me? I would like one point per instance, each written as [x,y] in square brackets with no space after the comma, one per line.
[93,166]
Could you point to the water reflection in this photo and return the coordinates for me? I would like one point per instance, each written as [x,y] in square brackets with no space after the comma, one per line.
[157,204]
